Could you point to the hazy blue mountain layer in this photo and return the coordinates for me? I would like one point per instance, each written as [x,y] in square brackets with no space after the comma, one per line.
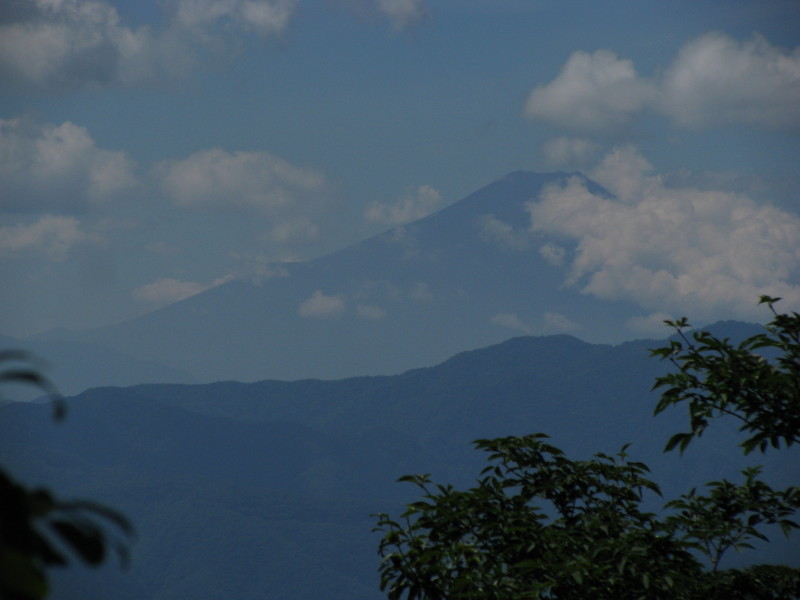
[410,297]
[78,366]
[265,490]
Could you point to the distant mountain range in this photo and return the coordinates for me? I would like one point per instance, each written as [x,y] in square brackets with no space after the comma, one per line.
[77,366]
[264,490]
[467,276]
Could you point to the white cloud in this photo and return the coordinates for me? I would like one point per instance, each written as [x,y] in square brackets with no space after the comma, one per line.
[714,80]
[78,43]
[550,323]
[553,254]
[403,13]
[500,233]
[553,322]
[684,250]
[258,268]
[511,321]
[257,183]
[421,292]
[254,181]
[292,230]
[415,205]
[57,167]
[569,152]
[54,236]
[167,290]
[594,92]
[69,43]
[264,17]
[652,324]
[321,306]
[370,312]
[624,172]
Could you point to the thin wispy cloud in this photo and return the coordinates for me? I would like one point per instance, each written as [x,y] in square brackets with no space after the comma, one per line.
[513,322]
[554,322]
[370,312]
[322,306]
[167,290]
[414,205]
[264,17]
[498,232]
[403,13]
[570,152]
[652,324]
[549,323]
[50,236]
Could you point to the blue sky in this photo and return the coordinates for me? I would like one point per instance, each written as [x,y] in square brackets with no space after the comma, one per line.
[152,149]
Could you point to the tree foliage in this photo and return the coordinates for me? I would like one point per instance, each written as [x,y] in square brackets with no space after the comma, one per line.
[539,525]
[38,530]
[756,381]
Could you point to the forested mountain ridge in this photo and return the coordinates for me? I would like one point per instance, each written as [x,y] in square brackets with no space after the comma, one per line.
[240,488]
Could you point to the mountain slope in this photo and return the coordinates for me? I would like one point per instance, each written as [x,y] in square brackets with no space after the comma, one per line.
[265,489]
[467,276]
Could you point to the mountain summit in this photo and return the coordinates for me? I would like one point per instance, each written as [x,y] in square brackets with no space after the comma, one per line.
[467,276]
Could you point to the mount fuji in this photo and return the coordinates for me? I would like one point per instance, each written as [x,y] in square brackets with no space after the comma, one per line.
[469,275]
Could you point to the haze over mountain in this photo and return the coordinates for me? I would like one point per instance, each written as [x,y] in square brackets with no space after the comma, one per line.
[467,276]
[77,366]
[246,490]
[162,160]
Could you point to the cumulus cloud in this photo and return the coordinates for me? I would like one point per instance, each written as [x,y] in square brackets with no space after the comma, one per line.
[253,181]
[403,13]
[257,183]
[57,167]
[70,43]
[78,43]
[415,205]
[322,306]
[498,232]
[53,236]
[715,79]
[594,92]
[680,250]
[167,290]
